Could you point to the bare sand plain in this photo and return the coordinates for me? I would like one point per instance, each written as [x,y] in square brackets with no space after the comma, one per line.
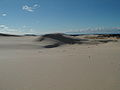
[25,65]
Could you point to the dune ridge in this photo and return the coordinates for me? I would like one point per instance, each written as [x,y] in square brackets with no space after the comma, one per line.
[58,39]
[9,35]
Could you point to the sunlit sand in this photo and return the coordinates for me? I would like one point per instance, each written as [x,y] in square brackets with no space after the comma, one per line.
[26,65]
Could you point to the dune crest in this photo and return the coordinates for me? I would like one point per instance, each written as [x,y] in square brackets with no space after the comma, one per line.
[58,39]
[9,35]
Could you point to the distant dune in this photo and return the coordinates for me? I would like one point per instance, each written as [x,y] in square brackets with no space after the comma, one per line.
[58,39]
[2,34]
[30,35]
[109,36]
[102,36]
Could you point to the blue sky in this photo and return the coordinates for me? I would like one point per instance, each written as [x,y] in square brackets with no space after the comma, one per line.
[46,16]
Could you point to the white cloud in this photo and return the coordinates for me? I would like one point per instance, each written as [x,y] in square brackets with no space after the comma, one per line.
[35,6]
[9,30]
[24,29]
[27,8]
[30,8]
[4,14]
[116,28]
[3,27]
[99,30]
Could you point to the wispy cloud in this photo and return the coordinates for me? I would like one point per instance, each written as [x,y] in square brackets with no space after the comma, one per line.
[20,31]
[9,30]
[116,28]
[30,8]
[27,8]
[96,30]
[3,27]
[4,14]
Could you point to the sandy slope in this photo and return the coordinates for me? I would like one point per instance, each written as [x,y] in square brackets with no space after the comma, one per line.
[24,65]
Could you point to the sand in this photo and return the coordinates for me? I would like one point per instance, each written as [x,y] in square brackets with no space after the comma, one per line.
[24,65]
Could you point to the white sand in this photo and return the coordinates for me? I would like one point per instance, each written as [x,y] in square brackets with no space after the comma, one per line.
[24,65]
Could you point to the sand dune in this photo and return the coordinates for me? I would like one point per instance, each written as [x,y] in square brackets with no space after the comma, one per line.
[102,36]
[9,35]
[26,65]
[58,39]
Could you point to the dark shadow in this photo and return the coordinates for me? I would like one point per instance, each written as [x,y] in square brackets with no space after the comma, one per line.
[52,46]
[9,35]
[61,38]
[109,35]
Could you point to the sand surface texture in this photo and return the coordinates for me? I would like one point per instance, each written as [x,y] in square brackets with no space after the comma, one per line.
[25,65]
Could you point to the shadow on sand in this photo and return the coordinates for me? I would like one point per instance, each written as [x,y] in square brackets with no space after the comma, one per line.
[59,39]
